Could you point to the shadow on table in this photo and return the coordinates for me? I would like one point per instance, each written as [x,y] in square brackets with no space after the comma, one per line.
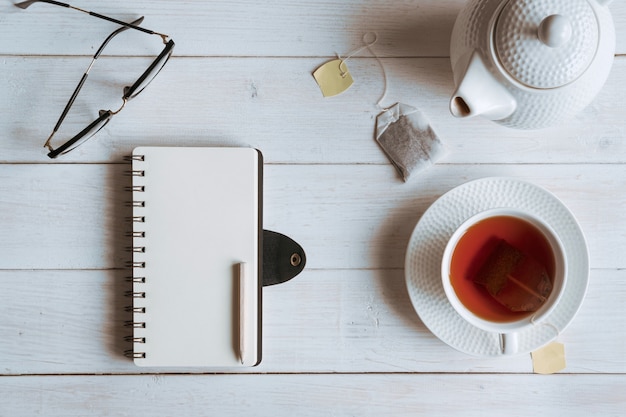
[407,203]
[408,29]
[394,234]
[120,246]
[411,31]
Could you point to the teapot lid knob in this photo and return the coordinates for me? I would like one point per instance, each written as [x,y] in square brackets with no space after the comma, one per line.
[546,43]
[555,30]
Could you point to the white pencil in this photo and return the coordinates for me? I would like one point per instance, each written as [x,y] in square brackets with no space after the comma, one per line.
[243,273]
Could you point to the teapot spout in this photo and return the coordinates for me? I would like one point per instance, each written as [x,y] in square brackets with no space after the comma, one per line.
[480,93]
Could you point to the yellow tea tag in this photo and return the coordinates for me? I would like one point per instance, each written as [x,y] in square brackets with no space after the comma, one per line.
[333,77]
[549,359]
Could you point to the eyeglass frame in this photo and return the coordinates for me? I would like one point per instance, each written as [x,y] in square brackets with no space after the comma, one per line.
[129,91]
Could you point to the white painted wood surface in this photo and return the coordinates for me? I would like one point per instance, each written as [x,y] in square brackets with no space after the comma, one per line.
[342,338]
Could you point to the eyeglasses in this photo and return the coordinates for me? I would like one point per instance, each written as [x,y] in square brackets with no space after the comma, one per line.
[129,92]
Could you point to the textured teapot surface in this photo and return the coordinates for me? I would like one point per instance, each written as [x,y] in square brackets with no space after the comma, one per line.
[530,63]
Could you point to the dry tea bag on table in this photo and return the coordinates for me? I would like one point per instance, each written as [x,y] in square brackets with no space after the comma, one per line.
[407,138]
[402,131]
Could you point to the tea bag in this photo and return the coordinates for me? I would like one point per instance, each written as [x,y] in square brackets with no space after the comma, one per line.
[405,135]
[515,279]
[402,131]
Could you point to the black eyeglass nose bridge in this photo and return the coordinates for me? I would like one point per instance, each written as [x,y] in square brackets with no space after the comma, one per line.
[151,72]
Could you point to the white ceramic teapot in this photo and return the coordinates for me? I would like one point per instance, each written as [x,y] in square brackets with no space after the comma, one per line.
[530,63]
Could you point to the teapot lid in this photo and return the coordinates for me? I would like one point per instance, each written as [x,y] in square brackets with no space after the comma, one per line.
[546,43]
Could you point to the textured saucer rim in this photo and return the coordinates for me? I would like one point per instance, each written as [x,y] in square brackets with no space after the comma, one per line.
[444,216]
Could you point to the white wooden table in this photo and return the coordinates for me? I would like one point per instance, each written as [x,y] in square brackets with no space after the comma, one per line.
[342,338]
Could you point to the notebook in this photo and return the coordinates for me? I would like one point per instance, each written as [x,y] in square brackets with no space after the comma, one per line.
[197,256]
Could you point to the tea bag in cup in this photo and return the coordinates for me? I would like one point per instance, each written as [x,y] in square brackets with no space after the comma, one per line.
[407,138]
[515,279]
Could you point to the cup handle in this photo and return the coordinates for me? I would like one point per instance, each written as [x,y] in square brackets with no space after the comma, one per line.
[509,343]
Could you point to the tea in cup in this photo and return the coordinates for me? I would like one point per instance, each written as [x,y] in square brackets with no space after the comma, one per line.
[504,270]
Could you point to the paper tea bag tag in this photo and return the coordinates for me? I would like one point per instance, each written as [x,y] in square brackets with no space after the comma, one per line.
[333,77]
[549,359]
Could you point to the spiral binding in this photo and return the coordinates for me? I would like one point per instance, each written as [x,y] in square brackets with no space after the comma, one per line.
[135,324]
[137,263]
[137,188]
[132,339]
[131,158]
[135,355]
[136,294]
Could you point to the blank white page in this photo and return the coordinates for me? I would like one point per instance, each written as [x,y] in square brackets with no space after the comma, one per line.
[202,217]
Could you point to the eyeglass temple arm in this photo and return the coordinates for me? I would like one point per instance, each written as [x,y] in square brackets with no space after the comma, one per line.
[70,102]
[27,3]
[85,75]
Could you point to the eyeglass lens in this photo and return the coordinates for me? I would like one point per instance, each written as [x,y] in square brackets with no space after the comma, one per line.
[152,71]
[84,135]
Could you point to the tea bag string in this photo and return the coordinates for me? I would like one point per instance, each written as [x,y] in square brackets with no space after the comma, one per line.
[368,45]
[534,323]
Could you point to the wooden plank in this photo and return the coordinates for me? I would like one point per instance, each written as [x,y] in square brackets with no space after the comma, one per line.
[248,28]
[73,216]
[315,395]
[275,105]
[72,322]
[343,337]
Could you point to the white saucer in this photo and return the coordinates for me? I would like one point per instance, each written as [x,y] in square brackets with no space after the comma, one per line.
[444,216]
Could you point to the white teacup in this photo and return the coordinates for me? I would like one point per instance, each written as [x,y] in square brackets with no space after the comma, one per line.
[508,330]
